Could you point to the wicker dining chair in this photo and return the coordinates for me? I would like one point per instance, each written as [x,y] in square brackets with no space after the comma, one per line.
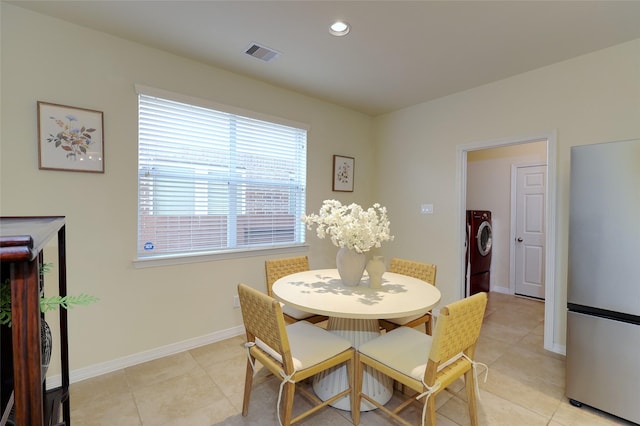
[426,364]
[422,271]
[278,268]
[291,352]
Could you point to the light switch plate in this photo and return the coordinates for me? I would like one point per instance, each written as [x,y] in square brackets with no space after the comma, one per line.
[426,209]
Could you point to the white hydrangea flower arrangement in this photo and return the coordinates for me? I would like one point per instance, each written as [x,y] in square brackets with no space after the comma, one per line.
[351,226]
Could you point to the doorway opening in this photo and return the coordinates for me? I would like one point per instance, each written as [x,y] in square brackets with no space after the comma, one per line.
[549,140]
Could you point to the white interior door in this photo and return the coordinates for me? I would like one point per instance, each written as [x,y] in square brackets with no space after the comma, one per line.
[529,241]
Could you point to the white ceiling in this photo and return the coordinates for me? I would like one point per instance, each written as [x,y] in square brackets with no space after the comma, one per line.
[399,53]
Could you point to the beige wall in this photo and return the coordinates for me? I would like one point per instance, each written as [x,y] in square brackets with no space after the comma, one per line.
[141,309]
[589,99]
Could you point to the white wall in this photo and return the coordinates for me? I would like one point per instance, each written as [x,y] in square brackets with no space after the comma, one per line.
[589,99]
[141,309]
[489,188]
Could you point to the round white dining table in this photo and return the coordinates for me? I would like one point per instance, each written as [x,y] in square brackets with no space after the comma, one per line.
[353,313]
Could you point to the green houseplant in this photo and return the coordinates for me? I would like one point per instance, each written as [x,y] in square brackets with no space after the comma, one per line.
[46,303]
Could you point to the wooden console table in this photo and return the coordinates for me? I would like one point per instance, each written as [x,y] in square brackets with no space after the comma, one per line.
[22,240]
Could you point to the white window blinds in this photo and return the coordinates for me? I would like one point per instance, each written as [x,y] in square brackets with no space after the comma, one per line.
[211,181]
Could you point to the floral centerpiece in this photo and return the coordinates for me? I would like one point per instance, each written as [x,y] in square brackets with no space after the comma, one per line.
[353,229]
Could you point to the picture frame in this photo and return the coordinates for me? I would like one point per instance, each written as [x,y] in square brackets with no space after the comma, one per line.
[70,138]
[343,173]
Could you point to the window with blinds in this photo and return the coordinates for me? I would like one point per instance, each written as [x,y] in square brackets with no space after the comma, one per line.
[213,181]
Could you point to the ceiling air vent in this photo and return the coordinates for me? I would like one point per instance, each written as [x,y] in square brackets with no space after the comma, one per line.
[262,52]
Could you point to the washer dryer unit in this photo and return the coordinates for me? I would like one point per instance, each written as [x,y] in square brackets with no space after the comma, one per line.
[479,241]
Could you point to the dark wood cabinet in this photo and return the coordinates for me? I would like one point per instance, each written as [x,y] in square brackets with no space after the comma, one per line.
[22,241]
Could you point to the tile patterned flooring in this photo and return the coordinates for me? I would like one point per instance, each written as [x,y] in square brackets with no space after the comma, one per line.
[203,386]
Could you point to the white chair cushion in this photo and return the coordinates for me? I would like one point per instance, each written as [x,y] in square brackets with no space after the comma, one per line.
[404,320]
[309,344]
[405,350]
[295,313]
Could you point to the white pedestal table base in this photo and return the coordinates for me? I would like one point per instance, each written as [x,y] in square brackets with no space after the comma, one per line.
[332,381]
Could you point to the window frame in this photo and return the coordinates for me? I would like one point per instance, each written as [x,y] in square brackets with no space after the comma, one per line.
[225,253]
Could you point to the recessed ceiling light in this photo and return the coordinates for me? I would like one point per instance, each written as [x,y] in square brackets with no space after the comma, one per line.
[339,29]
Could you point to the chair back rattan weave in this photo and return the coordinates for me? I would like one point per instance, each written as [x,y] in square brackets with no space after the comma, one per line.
[458,328]
[451,356]
[316,350]
[278,268]
[262,316]
[420,270]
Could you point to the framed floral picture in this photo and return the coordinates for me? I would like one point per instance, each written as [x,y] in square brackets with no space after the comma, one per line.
[343,168]
[70,138]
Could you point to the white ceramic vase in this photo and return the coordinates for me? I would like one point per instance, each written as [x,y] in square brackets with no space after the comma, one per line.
[375,269]
[350,265]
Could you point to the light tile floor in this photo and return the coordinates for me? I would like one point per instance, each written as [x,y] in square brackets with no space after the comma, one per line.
[203,386]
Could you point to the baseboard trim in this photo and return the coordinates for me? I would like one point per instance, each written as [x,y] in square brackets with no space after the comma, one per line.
[138,358]
[559,349]
[503,290]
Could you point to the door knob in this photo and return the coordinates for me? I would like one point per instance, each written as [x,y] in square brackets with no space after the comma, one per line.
[519,240]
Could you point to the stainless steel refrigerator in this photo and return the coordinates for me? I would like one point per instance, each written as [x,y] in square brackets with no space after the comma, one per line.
[603,294]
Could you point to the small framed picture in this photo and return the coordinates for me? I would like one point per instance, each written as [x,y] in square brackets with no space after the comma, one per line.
[70,138]
[343,168]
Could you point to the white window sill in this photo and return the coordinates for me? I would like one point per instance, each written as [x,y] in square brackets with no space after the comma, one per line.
[208,257]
